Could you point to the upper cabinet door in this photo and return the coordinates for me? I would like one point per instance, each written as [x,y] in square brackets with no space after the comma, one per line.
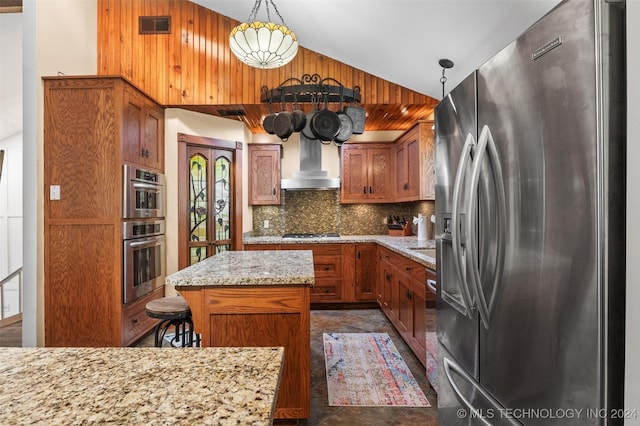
[367,173]
[354,174]
[154,136]
[143,131]
[414,162]
[264,174]
[380,175]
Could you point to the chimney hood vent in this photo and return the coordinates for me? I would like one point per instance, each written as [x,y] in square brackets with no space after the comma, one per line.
[310,175]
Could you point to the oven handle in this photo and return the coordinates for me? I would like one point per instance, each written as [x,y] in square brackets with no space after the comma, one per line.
[146,186]
[146,243]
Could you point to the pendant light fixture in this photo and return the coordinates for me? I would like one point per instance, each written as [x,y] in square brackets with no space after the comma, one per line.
[263,44]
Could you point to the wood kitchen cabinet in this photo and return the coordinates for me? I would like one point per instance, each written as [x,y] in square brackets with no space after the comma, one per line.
[387,289]
[261,316]
[414,163]
[143,130]
[331,267]
[264,174]
[403,298]
[345,273]
[367,173]
[365,272]
[86,142]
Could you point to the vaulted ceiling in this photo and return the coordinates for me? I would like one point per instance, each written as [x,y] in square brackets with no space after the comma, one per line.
[400,41]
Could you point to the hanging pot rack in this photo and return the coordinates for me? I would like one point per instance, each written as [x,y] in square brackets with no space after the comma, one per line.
[311,88]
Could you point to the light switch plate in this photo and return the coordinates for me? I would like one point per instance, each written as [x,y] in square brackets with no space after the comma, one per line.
[265,224]
[54,192]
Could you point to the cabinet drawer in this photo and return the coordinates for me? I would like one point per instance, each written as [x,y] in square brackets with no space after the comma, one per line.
[135,321]
[326,290]
[327,266]
[327,258]
[404,265]
[318,249]
[262,246]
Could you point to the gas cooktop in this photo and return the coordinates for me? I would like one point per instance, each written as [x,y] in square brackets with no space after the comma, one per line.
[327,235]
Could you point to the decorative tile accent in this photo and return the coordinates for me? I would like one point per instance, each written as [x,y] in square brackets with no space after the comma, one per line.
[321,212]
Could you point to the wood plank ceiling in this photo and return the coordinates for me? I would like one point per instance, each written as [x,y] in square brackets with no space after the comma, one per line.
[191,67]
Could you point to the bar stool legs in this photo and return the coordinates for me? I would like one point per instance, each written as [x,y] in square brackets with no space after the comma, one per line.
[184,336]
[173,312]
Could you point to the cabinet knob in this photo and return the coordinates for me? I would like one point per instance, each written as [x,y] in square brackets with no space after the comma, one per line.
[364,189]
[405,186]
[274,191]
[370,190]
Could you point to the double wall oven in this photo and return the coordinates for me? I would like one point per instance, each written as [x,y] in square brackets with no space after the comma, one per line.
[143,230]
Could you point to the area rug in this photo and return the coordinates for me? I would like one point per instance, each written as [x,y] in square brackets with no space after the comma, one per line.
[366,369]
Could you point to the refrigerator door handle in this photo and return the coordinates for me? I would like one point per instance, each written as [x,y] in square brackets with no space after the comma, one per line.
[450,367]
[456,238]
[486,144]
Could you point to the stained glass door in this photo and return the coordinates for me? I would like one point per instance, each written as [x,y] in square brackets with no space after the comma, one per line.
[210,203]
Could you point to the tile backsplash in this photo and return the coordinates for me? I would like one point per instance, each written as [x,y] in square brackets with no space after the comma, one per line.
[321,212]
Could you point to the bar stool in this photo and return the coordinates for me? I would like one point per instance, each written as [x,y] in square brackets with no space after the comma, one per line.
[172,311]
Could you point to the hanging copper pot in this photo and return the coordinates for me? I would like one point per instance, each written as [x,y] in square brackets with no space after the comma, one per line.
[346,129]
[267,123]
[325,124]
[283,125]
[358,116]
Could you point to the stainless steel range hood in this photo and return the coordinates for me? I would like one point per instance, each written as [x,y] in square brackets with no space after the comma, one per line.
[310,175]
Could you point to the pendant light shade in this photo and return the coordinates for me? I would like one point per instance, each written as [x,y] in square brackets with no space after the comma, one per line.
[263,44]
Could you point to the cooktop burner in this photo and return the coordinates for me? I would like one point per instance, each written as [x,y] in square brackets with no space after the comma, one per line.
[327,235]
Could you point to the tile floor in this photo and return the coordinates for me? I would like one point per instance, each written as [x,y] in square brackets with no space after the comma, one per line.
[358,321]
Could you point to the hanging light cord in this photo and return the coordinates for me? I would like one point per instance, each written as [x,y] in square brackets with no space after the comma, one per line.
[445,64]
[256,7]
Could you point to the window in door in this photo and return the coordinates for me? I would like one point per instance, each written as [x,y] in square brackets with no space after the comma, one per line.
[208,222]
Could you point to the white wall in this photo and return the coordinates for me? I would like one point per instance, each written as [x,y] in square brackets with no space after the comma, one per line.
[59,37]
[11,143]
[11,222]
[193,123]
[632,345]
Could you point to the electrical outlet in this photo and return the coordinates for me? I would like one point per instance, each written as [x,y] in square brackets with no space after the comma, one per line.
[265,224]
[54,192]
[384,220]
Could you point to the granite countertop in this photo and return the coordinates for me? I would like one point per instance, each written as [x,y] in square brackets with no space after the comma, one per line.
[139,386]
[401,245]
[249,268]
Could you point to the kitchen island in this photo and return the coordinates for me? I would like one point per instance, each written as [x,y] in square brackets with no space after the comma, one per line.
[139,386]
[257,298]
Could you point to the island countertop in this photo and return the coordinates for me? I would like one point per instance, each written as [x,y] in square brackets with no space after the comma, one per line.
[60,386]
[249,268]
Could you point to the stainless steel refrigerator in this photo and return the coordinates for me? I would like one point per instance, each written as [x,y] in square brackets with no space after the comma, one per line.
[530,165]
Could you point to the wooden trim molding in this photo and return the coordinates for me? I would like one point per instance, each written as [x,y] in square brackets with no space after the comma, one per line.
[183,190]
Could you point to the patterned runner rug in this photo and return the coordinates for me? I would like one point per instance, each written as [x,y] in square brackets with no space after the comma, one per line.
[366,369]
